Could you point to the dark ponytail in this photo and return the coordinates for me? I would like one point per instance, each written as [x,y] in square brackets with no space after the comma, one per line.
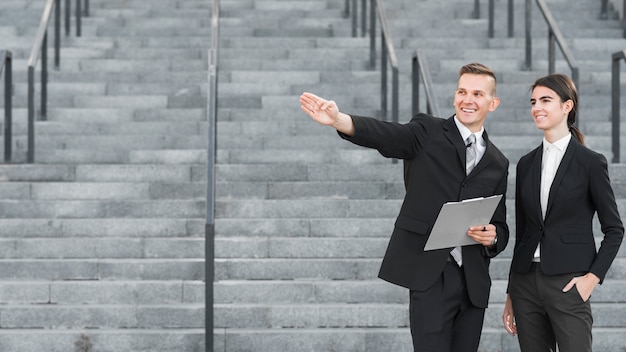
[579,136]
[566,89]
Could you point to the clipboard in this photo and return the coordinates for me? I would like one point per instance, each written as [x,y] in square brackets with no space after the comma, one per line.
[450,228]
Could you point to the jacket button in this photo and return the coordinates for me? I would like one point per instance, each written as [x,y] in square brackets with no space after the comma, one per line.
[540,228]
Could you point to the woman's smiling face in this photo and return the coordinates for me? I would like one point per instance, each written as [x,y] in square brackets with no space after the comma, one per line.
[547,109]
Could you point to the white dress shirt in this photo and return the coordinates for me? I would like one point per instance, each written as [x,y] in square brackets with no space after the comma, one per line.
[550,161]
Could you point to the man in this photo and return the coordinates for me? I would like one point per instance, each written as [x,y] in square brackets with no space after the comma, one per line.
[449,288]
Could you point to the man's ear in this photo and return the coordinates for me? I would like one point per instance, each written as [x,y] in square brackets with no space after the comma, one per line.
[494,104]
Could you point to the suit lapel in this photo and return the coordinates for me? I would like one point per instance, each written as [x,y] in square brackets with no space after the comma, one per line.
[535,179]
[561,171]
[454,136]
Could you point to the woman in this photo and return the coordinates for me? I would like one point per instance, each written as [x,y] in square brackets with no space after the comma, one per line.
[555,266]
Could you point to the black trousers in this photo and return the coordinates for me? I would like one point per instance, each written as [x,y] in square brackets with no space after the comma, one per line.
[443,318]
[546,316]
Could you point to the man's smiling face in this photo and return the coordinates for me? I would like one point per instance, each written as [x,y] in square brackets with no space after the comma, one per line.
[474,99]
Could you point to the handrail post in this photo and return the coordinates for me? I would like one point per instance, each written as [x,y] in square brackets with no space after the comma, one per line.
[7,61]
[551,54]
[510,18]
[209,231]
[57,35]
[491,18]
[373,34]
[44,77]
[604,10]
[30,153]
[67,17]
[363,18]
[383,77]
[527,13]
[615,104]
[415,85]
[209,241]
[624,19]
[395,99]
[476,12]
[575,79]
[79,15]
[354,18]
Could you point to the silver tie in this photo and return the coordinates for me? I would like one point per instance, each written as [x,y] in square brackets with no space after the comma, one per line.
[470,162]
[470,153]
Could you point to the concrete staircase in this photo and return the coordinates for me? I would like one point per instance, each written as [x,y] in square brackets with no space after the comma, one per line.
[102,245]
[103,236]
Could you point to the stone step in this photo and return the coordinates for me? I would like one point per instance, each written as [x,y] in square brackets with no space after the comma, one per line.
[102,292]
[309,190]
[188,316]
[92,126]
[233,292]
[136,141]
[103,173]
[324,247]
[374,339]
[102,248]
[316,208]
[120,340]
[100,190]
[101,228]
[103,269]
[114,115]
[356,315]
[180,208]
[341,269]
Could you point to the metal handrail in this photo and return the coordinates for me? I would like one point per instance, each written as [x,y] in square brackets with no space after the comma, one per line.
[624,19]
[354,16]
[491,16]
[615,103]
[604,14]
[554,34]
[420,69]
[388,54]
[79,15]
[6,60]
[40,47]
[604,10]
[209,228]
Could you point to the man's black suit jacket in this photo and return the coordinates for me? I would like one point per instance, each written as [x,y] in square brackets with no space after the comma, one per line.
[434,173]
[581,187]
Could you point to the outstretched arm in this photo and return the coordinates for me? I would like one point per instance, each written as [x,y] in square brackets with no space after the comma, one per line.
[327,113]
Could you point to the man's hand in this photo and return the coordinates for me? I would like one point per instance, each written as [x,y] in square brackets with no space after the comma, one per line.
[483,234]
[326,113]
[323,111]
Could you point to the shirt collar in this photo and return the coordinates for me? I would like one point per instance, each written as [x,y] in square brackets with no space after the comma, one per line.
[465,132]
[561,144]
